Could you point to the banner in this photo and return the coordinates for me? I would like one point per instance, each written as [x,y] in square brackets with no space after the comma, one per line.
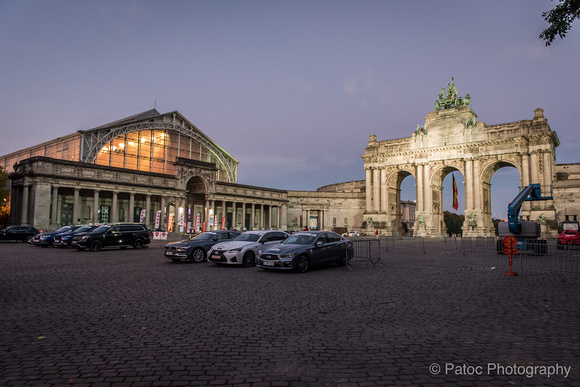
[181,222]
[157,218]
[455,203]
[197,220]
[142,216]
[223,223]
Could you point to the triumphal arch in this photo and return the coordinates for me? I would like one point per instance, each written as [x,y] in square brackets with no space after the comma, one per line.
[453,139]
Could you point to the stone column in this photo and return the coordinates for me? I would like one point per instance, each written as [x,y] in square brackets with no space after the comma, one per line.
[162,213]
[262,217]
[54,212]
[24,217]
[131,210]
[147,210]
[75,213]
[206,215]
[114,208]
[419,182]
[534,168]
[525,180]
[243,217]
[253,216]
[547,172]
[384,193]
[96,206]
[376,190]
[269,217]
[477,188]
[234,220]
[368,190]
[468,186]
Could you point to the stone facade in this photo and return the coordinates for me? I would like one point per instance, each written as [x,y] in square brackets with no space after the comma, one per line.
[161,170]
[454,140]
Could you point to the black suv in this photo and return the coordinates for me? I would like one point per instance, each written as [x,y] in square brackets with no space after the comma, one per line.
[113,235]
[18,233]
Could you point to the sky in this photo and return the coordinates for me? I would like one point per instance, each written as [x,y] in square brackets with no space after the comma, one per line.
[291,89]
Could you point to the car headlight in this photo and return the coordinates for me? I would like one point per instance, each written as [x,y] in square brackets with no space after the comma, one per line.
[237,250]
[45,237]
[85,237]
[287,255]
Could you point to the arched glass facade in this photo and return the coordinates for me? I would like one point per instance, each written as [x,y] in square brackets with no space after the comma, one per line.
[152,151]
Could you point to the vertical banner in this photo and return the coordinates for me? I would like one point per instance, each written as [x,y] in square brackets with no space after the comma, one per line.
[203,228]
[223,223]
[157,219]
[197,220]
[215,222]
[181,222]
[455,203]
[142,216]
[170,224]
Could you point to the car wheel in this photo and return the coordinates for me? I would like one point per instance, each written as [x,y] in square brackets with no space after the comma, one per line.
[138,244]
[96,245]
[302,264]
[197,255]
[249,259]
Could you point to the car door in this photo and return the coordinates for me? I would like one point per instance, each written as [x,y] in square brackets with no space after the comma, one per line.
[335,247]
[320,251]
[113,236]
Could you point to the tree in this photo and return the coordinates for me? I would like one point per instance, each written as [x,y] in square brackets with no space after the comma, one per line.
[453,222]
[560,19]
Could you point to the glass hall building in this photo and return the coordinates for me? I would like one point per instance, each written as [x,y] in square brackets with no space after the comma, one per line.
[157,169]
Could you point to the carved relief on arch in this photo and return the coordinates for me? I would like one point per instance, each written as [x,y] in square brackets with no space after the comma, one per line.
[396,174]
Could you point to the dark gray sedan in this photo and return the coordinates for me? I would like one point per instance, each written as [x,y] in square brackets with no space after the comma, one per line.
[196,248]
[306,249]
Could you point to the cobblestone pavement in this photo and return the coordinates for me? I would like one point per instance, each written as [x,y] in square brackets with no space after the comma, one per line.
[134,318]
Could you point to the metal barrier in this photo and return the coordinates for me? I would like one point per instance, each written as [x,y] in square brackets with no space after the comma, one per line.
[547,256]
[368,250]
[471,244]
[405,244]
[451,245]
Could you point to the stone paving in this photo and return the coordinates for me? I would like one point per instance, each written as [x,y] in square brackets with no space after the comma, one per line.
[134,318]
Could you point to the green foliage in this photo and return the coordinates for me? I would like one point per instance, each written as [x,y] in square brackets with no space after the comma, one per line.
[453,222]
[560,19]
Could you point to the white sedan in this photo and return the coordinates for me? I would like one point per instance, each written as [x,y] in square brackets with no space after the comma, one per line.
[243,250]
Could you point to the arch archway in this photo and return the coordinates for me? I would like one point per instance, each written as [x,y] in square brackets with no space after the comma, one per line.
[456,141]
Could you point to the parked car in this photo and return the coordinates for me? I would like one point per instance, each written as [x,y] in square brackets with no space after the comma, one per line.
[64,239]
[113,235]
[307,249]
[245,248]
[350,234]
[195,249]
[18,233]
[45,239]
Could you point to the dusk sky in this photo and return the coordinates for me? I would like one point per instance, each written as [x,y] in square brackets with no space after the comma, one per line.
[291,89]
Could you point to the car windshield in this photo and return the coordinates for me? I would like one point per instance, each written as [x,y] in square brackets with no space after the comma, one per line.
[248,237]
[206,236]
[102,228]
[300,239]
[82,229]
[570,226]
[63,229]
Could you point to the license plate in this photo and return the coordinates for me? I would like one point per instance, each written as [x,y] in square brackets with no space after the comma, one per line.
[168,253]
[268,263]
[215,256]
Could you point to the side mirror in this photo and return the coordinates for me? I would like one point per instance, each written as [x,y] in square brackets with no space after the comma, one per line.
[319,243]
